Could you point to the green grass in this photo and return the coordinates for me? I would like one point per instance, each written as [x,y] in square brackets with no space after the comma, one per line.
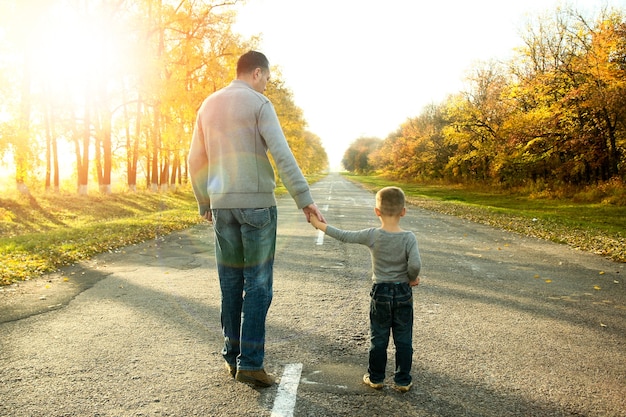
[43,233]
[597,227]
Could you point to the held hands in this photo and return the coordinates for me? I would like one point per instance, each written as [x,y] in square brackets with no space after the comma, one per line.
[313,213]
[315,222]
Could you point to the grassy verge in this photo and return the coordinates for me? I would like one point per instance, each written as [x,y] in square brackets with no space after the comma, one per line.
[43,233]
[594,227]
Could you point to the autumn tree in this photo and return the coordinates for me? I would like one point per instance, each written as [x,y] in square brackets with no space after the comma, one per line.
[417,150]
[17,131]
[357,157]
[313,158]
[553,115]
[571,95]
[120,81]
[476,120]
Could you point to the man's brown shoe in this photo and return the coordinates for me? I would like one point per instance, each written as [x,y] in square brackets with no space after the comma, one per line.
[375,385]
[232,370]
[257,378]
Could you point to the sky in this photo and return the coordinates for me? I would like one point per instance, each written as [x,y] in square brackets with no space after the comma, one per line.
[361,68]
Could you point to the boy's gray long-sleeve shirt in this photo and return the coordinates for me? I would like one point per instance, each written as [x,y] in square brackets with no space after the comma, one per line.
[395,256]
[228,160]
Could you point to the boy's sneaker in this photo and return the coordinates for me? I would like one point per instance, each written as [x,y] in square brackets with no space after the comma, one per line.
[257,378]
[403,388]
[375,385]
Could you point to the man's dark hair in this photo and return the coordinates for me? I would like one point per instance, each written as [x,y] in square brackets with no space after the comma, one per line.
[250,61]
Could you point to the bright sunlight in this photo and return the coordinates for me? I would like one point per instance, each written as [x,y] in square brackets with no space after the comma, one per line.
[69,47]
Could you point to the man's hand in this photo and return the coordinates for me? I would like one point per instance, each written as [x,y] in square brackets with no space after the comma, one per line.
[208,216]
[312,209]
[415,282]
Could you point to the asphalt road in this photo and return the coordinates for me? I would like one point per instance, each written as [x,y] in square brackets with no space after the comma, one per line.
[504,326]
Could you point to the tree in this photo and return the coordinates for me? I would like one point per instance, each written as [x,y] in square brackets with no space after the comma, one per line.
[567,81]
[357,157]
[556,116]
[121,81]
[476,125]
[417,149]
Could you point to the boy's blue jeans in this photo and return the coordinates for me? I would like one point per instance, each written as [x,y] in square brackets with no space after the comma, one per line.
[245,243]
[391,312]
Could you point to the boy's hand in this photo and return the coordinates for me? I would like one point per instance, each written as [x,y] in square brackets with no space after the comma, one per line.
[314,221]
[318,224]
[415,283]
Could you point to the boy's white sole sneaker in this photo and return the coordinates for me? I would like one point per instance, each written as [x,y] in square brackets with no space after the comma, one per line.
[375,385]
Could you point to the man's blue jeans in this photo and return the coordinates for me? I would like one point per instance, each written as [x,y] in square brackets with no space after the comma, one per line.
[391,310]
[245,243]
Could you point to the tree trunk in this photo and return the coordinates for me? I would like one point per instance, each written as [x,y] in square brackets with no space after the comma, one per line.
[154,183]
[175,172]
[107,151]
[21,145]
[48,146]
[55,164]
[82,167]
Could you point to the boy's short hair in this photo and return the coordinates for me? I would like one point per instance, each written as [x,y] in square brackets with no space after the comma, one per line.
[390,201]
[250,61]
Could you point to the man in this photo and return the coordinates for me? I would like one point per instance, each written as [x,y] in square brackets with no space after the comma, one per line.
[233,182]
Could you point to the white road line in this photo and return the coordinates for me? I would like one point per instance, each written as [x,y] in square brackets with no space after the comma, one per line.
[320,234]
[320,238]
[285,400]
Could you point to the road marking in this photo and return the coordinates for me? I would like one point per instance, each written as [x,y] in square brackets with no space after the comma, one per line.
[285,400]
[320,234]
[320,238]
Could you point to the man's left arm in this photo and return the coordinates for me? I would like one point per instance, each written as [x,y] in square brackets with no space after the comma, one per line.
[288,169]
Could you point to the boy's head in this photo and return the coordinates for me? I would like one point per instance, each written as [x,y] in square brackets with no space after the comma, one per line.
[390,201]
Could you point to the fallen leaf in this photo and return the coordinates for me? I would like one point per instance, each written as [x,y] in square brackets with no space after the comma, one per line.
[601,272]
[596,287]
[548,281]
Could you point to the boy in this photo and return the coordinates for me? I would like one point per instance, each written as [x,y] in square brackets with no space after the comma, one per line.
[396,265]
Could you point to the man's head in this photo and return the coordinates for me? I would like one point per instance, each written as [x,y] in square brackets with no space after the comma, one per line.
[390,201]
[254,68]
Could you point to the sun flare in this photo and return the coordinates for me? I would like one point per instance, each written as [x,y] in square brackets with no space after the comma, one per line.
[70,47]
